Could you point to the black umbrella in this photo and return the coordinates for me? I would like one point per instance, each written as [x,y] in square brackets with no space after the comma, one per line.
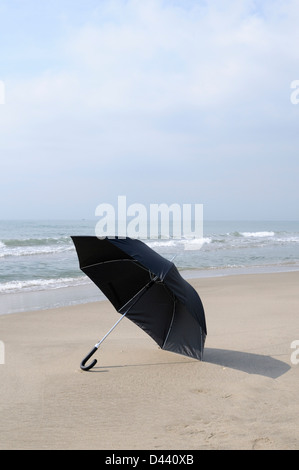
[146,288]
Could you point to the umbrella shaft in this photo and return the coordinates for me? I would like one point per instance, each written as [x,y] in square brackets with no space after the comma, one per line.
[137,297]
[111,329]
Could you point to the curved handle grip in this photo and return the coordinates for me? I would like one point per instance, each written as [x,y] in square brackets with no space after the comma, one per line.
[83,366]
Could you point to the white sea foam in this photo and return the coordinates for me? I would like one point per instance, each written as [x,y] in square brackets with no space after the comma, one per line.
[258,234]
[2,249]
[288,239]
[183,243]
[32,250]
[161,243]
[196,243]
[41,284]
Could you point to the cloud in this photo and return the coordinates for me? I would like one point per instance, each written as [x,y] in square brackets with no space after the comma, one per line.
[137,95]
[151,57]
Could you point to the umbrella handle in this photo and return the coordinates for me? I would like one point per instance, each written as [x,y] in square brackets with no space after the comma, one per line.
[91,353]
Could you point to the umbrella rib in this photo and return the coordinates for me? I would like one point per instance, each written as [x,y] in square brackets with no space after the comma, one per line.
[106,262]
[115,261]
[170,326]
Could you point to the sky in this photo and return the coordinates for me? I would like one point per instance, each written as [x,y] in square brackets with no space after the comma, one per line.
[163,101]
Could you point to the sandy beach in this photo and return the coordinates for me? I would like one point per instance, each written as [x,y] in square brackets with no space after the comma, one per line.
[244,395]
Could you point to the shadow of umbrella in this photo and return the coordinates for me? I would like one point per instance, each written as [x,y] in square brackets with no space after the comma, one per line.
[247,362]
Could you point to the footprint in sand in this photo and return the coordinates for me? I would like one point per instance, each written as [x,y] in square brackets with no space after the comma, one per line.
[261,443]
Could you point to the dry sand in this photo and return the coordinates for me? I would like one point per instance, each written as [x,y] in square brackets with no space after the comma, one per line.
[243,396]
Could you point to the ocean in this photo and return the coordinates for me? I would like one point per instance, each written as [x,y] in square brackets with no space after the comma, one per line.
[39,267]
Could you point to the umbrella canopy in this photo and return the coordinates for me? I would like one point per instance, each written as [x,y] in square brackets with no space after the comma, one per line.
[148,289]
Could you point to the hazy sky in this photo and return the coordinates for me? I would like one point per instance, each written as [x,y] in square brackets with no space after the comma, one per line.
[174,101]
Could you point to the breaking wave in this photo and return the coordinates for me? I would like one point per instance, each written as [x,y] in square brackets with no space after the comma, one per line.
[258,234]
[41,284]
[34,246]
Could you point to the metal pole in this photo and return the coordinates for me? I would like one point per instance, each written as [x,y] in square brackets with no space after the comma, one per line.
[111,329]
